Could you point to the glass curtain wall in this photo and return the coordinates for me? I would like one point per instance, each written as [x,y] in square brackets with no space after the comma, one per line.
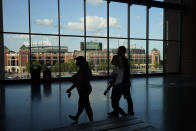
[54,34]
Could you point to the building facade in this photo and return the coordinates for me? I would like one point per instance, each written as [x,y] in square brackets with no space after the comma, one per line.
[16,62]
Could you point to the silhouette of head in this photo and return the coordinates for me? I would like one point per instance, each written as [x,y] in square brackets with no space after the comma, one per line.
[121,50]
[80,60]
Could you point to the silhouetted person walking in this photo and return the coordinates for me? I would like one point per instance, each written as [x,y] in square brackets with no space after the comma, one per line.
[81,80]
[125,87]
[115,82]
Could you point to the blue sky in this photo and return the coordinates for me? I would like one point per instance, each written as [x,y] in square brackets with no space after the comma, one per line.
[44,19]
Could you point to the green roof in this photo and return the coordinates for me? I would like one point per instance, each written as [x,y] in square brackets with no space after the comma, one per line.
[5,47]
[23,47]
[154,49]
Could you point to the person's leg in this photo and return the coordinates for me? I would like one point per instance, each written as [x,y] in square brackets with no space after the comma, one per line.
[81,106]
[88,108]
[127,96]
[114,102]
[117,106]
[121,111]
[80,109]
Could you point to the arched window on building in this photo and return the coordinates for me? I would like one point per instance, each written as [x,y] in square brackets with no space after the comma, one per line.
[55,60]
[13,61]
[48,61]
[13,70]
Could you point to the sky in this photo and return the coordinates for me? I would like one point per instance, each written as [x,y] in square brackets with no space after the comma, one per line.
[44,19]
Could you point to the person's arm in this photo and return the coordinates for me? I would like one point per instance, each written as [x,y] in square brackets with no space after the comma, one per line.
[114,76]
[106,91]
[71,88]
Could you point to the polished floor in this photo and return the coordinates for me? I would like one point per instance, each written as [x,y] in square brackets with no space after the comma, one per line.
[165,102]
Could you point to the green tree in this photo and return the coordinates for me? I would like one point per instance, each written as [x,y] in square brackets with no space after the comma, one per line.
[131,65]
[103,65]
[55,68]
[138,63]
[72,66]
[27,67]
[156,65]
[91,65]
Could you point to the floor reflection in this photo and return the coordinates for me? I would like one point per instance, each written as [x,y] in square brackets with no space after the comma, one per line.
[46,106]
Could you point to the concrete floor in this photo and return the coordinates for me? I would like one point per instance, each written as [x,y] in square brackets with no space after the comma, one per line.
[165,102]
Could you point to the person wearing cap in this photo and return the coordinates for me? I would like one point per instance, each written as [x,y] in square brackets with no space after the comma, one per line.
[115,84]
[81,81]
[126,84]
[124,87]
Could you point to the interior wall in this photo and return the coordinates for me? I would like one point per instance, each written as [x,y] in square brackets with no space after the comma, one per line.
[172,48]
[187,61]
[189,38]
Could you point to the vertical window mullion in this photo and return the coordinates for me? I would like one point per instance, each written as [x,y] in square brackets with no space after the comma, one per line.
[85,29]
[59,31]
[147,38]
[108,14]
[128,32]
[29,9]
[164,42]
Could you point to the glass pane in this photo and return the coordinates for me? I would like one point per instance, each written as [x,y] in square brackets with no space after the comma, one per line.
[172,50]
[72,17]
[138,21]
[113,49]
[138,56]
[155,57]
[96,55]
[45,52]
[96,17]
[44,17]
[16,56]
[118,20]
[15,16]
[156,23]
[70,48]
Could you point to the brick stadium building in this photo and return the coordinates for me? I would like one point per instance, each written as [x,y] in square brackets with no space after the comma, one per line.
[16,62]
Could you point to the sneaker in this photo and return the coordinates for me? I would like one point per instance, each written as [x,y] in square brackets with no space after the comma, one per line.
[73,118]
[132,113]
[111,113]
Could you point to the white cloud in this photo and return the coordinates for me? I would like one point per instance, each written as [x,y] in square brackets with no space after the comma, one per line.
[44,22]
[94,24]
[95,2]
[138,17]
[18,37]
[117,35]
[38,43]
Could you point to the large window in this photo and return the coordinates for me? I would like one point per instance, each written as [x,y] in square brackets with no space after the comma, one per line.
[44,17]
[138,21]
[118,20]
[53,34]
[96,18]
[16,56]
[69,49]
[71,17]
[15,16]
[138,56]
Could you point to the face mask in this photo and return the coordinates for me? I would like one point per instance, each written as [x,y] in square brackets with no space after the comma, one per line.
[77,63]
